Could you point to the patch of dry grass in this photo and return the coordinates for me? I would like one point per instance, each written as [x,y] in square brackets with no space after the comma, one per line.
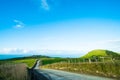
[10,71]
[102,69]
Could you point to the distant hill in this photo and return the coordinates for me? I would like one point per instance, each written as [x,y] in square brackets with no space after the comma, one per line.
[101,53]
[17,57]
[31,57]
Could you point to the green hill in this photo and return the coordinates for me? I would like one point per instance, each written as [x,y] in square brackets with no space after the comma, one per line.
[101,53]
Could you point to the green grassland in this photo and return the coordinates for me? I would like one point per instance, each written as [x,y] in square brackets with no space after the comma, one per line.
[101,53]
[17,68]
[108,69]
[94,54]
[29,61]
[91,63]
[101,56]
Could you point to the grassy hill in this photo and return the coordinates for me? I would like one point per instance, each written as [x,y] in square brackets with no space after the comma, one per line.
[101,53]
[30,60]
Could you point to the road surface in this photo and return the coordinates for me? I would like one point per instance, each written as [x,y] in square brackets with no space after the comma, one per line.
[63,75]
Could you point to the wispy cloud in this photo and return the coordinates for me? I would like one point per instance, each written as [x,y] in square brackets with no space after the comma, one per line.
[19,24]
[109,41]
[44,5]
[113,45]
[14,50]
[7,50]
[60,53]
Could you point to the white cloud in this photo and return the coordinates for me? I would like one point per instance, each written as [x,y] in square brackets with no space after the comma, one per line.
[113,45]
[108,41]
[36,51]
[7,50]
[19,24]
[44,4]
[14,51]
[55,53]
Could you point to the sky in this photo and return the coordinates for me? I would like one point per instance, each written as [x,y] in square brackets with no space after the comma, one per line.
[59,27]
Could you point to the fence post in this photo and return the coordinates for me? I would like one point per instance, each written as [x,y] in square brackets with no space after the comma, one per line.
[89,60]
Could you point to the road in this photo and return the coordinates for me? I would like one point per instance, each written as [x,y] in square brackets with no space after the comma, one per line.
[63,75]
[37,64]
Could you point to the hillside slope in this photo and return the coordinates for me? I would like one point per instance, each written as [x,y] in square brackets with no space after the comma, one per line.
[101,53]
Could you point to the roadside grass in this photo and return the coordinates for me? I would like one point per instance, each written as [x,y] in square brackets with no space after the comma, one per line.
[10,71]
[108,69]
[28,62]
[16,69]
[52,60]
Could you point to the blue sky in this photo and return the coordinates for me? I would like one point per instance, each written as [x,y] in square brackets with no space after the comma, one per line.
[59,26]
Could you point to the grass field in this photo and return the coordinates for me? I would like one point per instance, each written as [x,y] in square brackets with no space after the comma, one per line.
[28,62]
[15,69]
[91,63]
[10,71]
[108,69]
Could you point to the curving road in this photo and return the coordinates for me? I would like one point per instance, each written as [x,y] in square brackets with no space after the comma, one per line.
[63,75]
